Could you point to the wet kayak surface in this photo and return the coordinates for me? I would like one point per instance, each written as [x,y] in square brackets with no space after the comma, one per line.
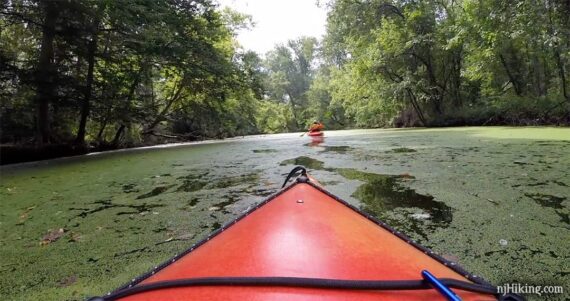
[495,199]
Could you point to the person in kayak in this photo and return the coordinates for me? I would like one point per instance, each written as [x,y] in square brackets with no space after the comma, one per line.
[317,126]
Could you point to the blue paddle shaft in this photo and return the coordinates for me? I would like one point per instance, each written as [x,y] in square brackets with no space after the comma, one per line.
[440,287]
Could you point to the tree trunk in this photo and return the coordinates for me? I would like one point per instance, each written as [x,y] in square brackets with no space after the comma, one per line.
[118,136]
[456,80]
[556,50]
[538,74]
[511,76]
[101,130]
[416,106]
[45,73]
[85,105]
[562,73]
[436,94]
[160,117]
[126,118]
[435,91]
[293,111]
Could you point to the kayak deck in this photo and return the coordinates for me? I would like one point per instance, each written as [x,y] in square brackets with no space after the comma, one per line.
[304,232]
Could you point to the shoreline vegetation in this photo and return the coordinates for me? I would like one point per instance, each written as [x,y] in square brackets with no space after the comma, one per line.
[14,154]
[80,76]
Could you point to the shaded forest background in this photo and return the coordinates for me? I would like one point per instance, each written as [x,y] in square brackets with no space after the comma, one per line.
[80,75]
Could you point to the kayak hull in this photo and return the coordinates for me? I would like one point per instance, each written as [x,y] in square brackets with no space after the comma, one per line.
[303,231]
[316,134]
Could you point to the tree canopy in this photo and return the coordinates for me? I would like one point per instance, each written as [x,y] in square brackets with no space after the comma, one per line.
[446,62]
[118,73]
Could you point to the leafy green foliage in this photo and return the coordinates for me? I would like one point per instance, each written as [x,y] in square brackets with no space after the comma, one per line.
[289,74]
[124,72]
[436,62]
[114,73]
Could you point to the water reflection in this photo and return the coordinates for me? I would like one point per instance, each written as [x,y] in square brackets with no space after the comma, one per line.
[316,141]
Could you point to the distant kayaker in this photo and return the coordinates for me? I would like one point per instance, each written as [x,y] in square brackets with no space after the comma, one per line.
[317,126]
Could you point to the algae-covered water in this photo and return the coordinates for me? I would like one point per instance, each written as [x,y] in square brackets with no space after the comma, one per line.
[494,199]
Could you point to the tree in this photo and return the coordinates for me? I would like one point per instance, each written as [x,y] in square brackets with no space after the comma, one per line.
[105,71]
[448,62]
[289,74]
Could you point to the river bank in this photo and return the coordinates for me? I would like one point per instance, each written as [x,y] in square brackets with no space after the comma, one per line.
[21,153]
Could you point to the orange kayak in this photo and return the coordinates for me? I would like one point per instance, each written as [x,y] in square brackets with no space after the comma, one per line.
[303,243]
[316,133]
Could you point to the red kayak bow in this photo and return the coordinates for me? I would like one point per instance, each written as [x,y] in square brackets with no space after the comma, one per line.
[303,243]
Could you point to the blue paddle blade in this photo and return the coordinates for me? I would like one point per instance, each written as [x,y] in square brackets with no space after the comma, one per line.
[440,287]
